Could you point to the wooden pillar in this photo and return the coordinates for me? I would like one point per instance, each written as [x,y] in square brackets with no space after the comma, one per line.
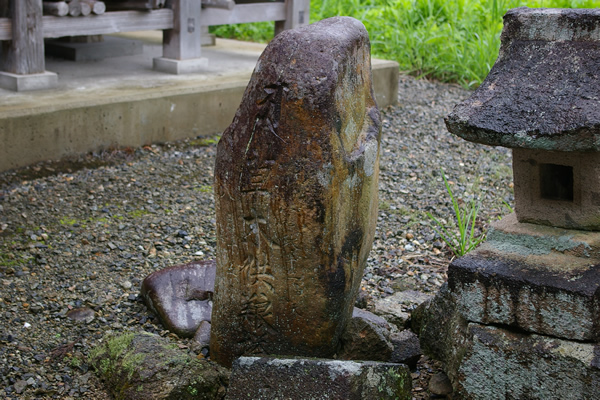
[24,54]
[297,14]
[183,41]
[182,45]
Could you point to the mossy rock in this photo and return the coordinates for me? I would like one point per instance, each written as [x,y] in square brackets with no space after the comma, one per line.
[147,366]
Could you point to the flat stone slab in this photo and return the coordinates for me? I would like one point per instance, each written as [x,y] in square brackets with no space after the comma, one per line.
[537,278]
[558,298]
[499,364]
[263,378]
[543,90]
[181,295]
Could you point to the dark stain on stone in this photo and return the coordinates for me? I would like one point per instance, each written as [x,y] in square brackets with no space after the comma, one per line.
[596,359]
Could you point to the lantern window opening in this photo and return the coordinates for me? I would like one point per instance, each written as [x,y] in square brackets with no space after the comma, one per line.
[556,182]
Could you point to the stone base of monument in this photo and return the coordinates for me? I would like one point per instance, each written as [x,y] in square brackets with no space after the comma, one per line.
[520,316]
[285,378]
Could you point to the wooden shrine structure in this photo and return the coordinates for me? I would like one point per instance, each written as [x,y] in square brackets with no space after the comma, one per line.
[23,28]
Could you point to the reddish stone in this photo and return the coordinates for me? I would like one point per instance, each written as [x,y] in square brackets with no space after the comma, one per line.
[181,295]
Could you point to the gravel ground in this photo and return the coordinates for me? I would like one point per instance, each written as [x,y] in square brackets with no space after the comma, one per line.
[83,233]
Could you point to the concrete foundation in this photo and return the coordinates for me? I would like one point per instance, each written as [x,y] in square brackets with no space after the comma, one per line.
[23,83]
[109,47]
[179,67]
[121,102]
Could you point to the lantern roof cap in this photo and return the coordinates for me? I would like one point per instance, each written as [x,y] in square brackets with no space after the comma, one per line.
[543,92]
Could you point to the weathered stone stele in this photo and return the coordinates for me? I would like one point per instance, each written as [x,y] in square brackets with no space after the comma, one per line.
[296,181]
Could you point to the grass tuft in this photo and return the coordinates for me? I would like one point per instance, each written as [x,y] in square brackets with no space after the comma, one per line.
[463,239]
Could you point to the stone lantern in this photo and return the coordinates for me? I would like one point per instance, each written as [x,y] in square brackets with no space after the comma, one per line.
[542,99]
[521,314]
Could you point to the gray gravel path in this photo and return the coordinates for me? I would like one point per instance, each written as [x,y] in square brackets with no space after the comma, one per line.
[83,234]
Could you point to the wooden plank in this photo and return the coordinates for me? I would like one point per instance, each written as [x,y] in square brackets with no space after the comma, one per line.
[24,54]
[242,13]
[113,22]
[183,41]
[225,4]
[5,29]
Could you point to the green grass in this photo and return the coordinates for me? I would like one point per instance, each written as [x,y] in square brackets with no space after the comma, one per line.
[460,239]
[450,41]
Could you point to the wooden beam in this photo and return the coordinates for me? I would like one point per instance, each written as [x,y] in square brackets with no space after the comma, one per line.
[24,54]
[113,22]
[58,8]
[243,13]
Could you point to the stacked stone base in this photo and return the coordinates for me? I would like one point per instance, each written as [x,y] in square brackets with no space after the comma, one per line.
[499,363]
[520,316]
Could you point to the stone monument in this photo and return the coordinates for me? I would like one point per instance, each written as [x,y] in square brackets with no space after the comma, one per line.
[296,181]
[520,317]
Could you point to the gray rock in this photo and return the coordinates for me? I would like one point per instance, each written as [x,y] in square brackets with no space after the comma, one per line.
[146,366]
[82,314]
[202,336]
[181,295]
[440,384]
[439,326]
[296,181]
[395,308]
[495,363]
[301,379]
[371,318]
[20,386]
[366,338]
[407,349]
